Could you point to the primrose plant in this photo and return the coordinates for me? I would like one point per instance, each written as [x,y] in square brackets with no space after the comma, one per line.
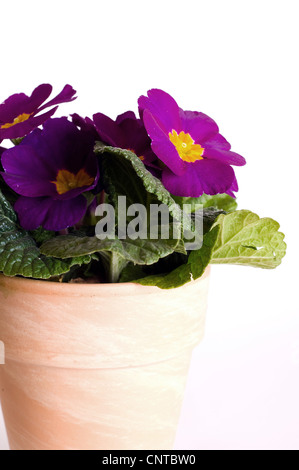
[148,199]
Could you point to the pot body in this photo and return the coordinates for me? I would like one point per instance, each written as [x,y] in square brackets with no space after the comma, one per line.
[96,367]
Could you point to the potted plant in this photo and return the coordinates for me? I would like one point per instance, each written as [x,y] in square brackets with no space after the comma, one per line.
[107,233]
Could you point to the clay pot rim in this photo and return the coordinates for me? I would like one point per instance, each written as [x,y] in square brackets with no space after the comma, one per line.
[86,289]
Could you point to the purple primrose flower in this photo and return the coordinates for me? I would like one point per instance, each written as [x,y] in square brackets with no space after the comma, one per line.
[18,114]
[126,132]
[50,170]
[196,158]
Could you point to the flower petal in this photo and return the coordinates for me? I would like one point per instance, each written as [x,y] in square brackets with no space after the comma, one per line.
[108,130]
[48,213]
[38,96]
[25,127]
[161,144]
[86,125]
[230,158]
[65,96]
[12,107]
[234,187]
[135,135]
[126,132]
[20,103]
[204,176]
[217,141]
[200,126]
[2,150]
[62,145]
[26,173]
[126,115]
[163,107]
[149,158]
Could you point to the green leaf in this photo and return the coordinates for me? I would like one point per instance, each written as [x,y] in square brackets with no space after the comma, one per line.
[19,255]
[131,272]
[246,239]
[176,278]
[137,251]
[8,217]
[197,262]
[125,175]
[219,201]
[200,259]
[40,235]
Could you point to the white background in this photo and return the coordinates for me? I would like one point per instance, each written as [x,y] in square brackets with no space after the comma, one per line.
[237,61]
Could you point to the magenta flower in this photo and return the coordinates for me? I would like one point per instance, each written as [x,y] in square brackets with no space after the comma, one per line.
[197,159]
[50,170]
[126,132]
[18,114]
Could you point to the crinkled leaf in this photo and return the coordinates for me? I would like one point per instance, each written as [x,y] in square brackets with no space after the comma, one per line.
[197,262]
[138,251]
[8,217]
[125,175]
[219,201]
[40,235]
[131,272]
[246,239]
[19,255]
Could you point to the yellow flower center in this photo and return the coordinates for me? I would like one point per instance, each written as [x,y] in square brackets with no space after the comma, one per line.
[186,148]
[66,181]
[23,117]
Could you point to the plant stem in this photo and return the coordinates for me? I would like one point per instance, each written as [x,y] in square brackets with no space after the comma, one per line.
[114,264]
[102,197]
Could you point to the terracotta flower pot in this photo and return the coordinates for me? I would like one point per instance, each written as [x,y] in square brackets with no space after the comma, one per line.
[98,366]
